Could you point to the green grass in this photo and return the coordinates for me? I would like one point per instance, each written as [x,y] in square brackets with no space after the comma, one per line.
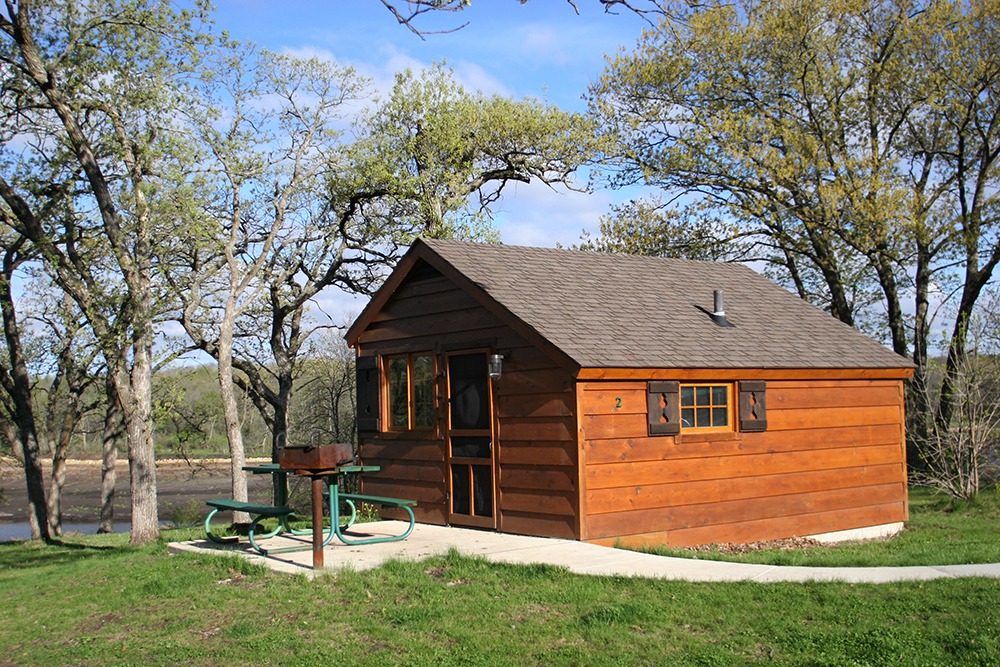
[940,532]
[97,602]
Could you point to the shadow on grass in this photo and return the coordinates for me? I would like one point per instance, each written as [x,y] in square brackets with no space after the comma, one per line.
[59,552]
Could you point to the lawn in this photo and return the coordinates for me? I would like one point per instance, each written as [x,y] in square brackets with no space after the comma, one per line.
[940,532]
[96,601]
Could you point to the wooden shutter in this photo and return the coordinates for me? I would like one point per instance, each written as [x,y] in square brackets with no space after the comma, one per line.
[753,406]
[663,403]
[368,398]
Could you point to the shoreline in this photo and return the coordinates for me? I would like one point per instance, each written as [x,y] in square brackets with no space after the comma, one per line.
[183,486]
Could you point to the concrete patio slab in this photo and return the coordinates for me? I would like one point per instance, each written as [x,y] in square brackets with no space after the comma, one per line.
[426,541]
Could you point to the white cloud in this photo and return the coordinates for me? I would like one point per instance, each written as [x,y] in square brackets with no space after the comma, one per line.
[536,215]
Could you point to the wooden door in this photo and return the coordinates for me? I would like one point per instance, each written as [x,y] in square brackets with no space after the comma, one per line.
[471,451]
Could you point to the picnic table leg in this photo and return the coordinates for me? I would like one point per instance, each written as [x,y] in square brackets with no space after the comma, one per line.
[317,511]
[280,480]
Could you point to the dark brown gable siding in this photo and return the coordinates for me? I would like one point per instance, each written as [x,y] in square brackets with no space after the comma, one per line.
[538,481]
[533,400]
[832,459]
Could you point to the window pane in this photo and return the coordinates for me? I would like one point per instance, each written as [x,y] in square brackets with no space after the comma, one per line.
[469,386]
[482,490]
[703,396]
[720,417]
[423,391]
[704,417]
[719,396]
[687,395]
[398,394]
[460,489]
[687,417]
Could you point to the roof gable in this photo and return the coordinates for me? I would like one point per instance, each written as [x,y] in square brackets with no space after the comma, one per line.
[622,311]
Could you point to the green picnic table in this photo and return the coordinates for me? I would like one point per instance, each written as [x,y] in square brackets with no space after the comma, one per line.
[319,479]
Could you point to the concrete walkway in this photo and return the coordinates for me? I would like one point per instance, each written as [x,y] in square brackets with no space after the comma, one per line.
[426,541]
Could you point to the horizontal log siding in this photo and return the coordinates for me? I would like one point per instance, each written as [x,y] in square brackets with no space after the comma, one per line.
[832,458]
[533,403]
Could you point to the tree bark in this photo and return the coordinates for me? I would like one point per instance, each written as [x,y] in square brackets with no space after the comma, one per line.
[230,413]
[109,457]
[17,383]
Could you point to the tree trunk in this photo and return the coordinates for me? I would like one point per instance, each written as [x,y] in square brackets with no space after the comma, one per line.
[109,457]
[56,484]
[918,409]
[890,289]
[231,414]
[826,262]
[975,281]
[69,418]
[18,385]
[141,454]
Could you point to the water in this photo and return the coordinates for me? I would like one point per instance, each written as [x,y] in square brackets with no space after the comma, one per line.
[22,531]
[10,532]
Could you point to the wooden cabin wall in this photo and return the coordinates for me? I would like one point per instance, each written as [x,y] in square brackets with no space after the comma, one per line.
[533,405]
[535,402]
[832,458]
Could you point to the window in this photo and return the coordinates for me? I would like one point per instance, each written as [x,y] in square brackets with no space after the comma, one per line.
[706,406]
[410,391]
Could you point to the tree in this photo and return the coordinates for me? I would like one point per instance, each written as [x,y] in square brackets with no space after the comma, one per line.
[961,454]
[16,383]
[417,161]
[90,90]
[66,400]
[327,408]
[446,155]
[267,160]
[855,141]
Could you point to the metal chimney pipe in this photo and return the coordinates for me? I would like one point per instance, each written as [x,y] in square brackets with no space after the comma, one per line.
[719,313]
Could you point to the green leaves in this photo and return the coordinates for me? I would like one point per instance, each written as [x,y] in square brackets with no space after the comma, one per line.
[445,155]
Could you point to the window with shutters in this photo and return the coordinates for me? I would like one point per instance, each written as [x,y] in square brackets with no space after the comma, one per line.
[706,407]
[409,391]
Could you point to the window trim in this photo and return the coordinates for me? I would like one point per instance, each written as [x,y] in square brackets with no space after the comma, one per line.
[730,426]
[410,391]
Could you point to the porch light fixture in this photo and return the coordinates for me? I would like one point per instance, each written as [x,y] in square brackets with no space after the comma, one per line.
[496,366]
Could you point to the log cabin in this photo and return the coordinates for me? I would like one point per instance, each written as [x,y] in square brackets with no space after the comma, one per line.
[624,400]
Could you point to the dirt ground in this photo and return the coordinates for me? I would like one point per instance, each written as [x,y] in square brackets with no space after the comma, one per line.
[182,489]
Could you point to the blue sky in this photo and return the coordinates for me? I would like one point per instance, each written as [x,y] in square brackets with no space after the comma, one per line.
[542,49]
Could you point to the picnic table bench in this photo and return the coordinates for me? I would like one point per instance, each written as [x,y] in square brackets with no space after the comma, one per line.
[382,501]
[259,513]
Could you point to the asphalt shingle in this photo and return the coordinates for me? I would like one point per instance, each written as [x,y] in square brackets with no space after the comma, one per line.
[623,311]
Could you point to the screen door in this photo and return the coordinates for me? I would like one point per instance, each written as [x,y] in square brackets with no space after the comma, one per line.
[470,441]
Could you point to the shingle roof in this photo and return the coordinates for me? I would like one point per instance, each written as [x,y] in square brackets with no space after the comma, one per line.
[622,311]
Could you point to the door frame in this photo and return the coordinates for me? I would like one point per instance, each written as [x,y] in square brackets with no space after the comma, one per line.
[471,520]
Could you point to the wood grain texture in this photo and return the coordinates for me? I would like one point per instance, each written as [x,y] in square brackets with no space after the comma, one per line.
[830,459]
[765,529]
[534,410]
